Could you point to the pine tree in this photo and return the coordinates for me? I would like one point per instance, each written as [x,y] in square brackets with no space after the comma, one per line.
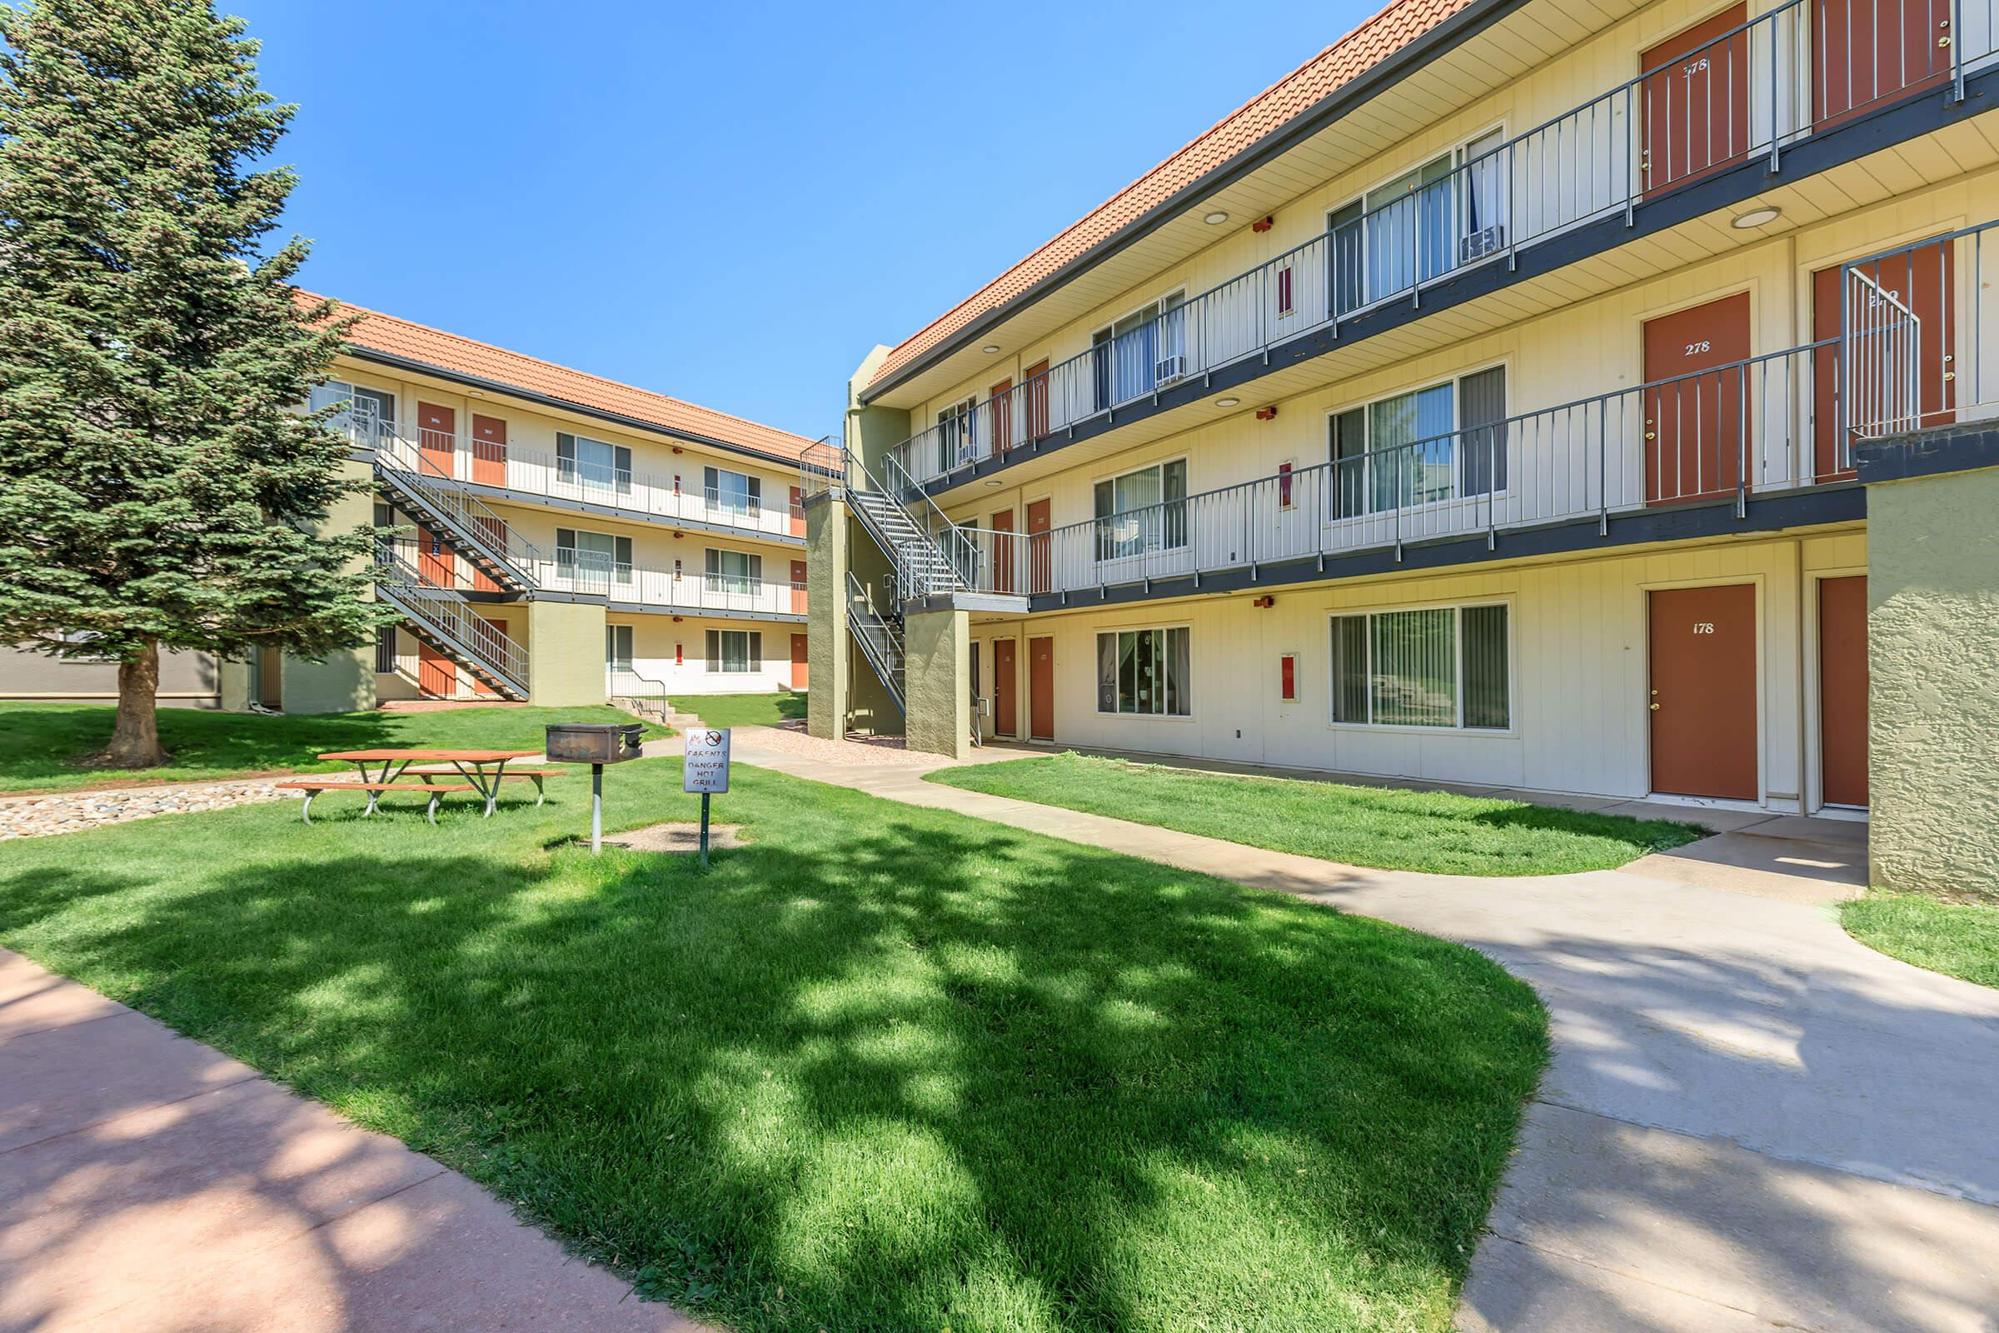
[158,484]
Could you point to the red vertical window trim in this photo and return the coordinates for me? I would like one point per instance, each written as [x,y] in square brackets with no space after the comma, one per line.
[1284,290]
[1284,485]
[1287,671]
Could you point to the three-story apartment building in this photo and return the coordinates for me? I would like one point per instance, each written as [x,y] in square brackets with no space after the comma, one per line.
[557,537]
[1516,394]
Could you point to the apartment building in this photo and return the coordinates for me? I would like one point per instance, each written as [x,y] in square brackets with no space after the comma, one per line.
[1584,398]
[559,538]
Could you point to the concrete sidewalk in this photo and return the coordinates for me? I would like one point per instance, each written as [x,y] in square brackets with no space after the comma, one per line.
[148,1182]
[1750,1121]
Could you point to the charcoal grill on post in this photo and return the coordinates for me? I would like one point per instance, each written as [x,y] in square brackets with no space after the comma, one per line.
[595,744]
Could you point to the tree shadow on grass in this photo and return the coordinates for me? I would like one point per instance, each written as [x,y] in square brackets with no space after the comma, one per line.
[877,1070]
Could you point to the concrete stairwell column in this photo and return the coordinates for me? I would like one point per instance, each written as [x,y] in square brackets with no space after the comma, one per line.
[826,655]
[937,676]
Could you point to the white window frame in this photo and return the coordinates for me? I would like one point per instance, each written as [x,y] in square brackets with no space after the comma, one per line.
[343,420]
[1458,152]
[1160,464]
[1365,407]
[1096,656]
[1108,332]
[753,661]
[620,570]
[1457,727]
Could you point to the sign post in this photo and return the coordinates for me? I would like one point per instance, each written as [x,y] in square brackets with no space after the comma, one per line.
[705,769]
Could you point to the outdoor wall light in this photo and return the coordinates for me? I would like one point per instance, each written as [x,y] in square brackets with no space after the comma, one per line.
[1216,218]
[1228,402]
[1757,217]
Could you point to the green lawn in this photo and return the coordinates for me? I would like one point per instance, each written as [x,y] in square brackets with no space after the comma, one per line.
[1959,939]
[886,1068]
[45,747]
[744,710]
[1363,826]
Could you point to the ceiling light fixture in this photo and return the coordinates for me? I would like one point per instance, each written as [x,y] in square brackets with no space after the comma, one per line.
[1216,218]
[1227,402]
[990,348]
[992,483]
[1757,217]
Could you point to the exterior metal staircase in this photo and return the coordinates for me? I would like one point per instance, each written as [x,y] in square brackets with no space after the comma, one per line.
[442,618]
[927,560]
[468,524]
[880,639]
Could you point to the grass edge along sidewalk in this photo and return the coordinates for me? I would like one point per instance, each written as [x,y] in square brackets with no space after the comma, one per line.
[1389,828]
[884,1067]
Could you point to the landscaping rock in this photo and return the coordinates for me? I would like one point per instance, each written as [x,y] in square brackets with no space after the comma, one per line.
[72,812]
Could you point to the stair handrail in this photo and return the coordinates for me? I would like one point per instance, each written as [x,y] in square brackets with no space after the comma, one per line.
[918,582]
[886,656]
[657,692]
[450,617]
[399,454]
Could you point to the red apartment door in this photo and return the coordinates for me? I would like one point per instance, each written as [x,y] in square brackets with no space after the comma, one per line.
[1003,551]
[1002,399]
[489,450]
[1041,689]
[1843,690]
[436,674]
[1695,102]
[495,531]
[1865,52]
[1925,281]
[799,652]
[1697,403]
[1038,544]
[435,563]
[1036,379]
[1006,688]
[437,439]
[1703,701]
[798,586]
[796,514]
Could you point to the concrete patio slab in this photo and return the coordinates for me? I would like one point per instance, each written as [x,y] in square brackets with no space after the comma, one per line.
[32,999]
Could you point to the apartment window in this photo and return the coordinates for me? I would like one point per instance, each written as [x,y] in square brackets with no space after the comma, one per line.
[618,648]
[734,651]
[593,558]
[954,435]
[1433,667]
[593,463]
[359,413]
[1138,353]
[1144,510]
[1427,221]
[1144,672]
[1443,442]
[385,649]
[78,646]
[734,571]
[736,492]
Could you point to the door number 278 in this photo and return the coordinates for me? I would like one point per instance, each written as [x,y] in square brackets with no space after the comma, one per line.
[1703,627]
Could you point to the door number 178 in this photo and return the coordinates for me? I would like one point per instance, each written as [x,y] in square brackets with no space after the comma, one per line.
[1703,627]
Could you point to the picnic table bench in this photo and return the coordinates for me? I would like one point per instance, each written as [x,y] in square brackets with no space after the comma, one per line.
[483,769]
[312,787]
[536,775]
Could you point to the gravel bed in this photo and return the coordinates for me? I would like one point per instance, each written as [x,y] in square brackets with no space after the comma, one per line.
[71,812]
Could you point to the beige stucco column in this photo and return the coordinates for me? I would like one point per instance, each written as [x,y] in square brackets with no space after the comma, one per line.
[826,614]
[937,674]
[1933,682]
[345,681]
[565,650]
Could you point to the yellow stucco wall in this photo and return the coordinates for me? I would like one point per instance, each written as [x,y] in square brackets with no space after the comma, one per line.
[937,683]
[566,653]
[1933,662]
[826,632]
[345,681]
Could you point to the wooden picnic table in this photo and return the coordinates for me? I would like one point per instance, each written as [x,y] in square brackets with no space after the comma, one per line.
[484,769]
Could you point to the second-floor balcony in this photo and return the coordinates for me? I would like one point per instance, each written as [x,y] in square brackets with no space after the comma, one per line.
[1724,438]
[1726,95]
[622,583]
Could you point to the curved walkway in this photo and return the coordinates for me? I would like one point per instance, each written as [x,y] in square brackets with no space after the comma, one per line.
[1750,1121]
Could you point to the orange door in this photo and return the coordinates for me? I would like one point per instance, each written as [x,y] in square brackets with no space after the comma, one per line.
[1006,686]
[435,563]
[1697,406]
[799,672]
[1703,701]
[437,439]
[1002,396]
[436,674]
[797,511]
[495,530]
[489,450]
[798,586]
[1843,690]
[1036,379]
[1925,282]
[1865,52]
[1003,551]
[1695,105]
[1041,689]
[1038,543]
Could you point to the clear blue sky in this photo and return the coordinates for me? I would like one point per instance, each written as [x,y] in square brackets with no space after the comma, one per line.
[730,202]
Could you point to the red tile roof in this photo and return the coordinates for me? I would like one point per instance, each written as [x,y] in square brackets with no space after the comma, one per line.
[1396,26]
[456,356]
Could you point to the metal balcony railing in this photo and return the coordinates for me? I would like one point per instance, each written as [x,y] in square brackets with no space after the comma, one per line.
[1912,343]
[658,494]
[444,617]
[1769,422]
[598,575]
[466,522]
[1750,91]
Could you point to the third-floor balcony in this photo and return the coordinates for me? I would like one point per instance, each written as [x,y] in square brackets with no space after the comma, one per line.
[1724,95]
